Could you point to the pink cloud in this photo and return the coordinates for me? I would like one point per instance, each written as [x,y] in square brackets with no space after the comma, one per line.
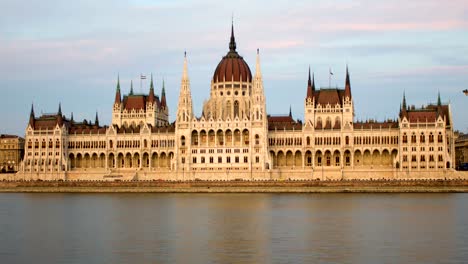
[434,25]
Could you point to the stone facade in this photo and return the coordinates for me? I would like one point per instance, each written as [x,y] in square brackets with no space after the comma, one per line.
[461,149]
[11,152]
[235,138]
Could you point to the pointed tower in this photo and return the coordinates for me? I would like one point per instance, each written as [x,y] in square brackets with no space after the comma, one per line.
[118,106]
[309,111]
[151,98]
[71,118]
[258,103]
[403,107]
[59,115]
[131,87]
[184,107]
[347,85]
[118,98]
[348,104]
[96,120]
[259,127]
[310,87]
[31,116]
[404,102]
[163,95]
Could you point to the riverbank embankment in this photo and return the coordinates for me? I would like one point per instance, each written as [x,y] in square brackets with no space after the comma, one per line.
[351,186]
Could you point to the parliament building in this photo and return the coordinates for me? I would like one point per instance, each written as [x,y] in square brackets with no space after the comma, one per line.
[235,138]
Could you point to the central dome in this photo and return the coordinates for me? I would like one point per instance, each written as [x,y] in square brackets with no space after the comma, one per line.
[232,68]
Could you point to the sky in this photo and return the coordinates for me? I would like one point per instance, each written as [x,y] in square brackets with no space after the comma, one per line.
[70,52]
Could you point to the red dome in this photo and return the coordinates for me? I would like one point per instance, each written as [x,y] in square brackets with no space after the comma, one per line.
[232,68]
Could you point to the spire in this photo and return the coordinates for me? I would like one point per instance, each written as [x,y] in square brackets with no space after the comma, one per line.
[310,92]
[313,83]
[404,101]
[163,95]
[31,116]
[439,102]
[151,91]
[131,87]
[290,111]
[96,120]
[184,107]
[258,72]
[232,42]
[59,115]
[71,117]
[117,92]
[348,84]
[185,73]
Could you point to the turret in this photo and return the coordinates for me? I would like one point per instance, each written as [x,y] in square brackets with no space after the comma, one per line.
[184,108]
[118,98]
[403,106]
[59,115]
[347,84]
[310,86]
[131,87]
[31,116]
[163,96]
[151,92]
[96,120]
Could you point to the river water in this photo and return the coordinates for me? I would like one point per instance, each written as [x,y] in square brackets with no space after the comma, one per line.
[233,228]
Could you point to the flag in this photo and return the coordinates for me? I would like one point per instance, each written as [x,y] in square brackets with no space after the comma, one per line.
[331,73]
[142,77]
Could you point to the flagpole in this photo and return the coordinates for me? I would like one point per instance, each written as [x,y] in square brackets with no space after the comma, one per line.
[140,80]
[329,77]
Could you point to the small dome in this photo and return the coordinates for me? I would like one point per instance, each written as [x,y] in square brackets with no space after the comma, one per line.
[232,68]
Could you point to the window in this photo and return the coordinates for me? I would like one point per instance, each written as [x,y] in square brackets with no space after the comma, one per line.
[202,159]
[183,160]
[246,159]
[194,160]
[422,138]
[257,159]
[237,159]
[413,158]
[319,161]
[423,158]
[405,138]
[228,159]
[431,157]
[220,160]
[413,138]
[211,160]
[439,138]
